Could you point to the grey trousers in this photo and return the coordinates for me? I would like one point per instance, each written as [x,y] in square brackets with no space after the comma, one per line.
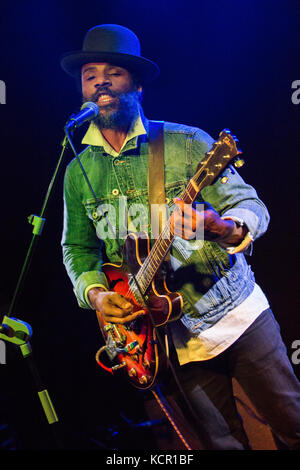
[258,361]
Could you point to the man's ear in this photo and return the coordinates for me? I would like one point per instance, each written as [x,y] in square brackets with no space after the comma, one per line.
[140,89]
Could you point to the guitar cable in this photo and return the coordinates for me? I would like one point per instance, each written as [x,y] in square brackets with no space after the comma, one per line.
[169,362]
[173,424]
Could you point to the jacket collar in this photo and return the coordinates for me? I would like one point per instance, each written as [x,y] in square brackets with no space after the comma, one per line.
[94,136]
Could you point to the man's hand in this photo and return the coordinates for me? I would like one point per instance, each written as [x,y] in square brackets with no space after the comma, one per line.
[113,307]
[186,221]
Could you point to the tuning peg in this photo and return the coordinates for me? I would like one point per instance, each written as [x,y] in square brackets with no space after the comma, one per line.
[238,162]
[224,179]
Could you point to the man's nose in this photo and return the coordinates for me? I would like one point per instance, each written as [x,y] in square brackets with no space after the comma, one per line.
[102,80]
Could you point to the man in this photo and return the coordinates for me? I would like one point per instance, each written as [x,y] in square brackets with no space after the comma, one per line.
[227,328]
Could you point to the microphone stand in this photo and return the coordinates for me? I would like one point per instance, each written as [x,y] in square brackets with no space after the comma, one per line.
[19,332]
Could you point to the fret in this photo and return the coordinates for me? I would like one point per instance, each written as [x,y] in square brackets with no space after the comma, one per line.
[187,197]
[162,244]
[193,183]
[160,250]
[190,193]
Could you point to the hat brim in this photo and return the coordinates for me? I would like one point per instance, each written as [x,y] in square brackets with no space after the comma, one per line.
[145,69]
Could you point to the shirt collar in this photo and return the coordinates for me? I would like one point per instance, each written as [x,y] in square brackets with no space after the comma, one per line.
[94,136]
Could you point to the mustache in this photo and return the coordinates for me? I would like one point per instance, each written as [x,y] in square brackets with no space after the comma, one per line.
[102,90]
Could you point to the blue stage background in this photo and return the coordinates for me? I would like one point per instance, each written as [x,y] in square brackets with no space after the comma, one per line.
[223,64]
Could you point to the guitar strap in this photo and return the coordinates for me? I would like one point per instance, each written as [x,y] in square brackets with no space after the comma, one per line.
[156,192]
[156,170]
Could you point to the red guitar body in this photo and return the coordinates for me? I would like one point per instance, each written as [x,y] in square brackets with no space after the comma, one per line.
[138,350]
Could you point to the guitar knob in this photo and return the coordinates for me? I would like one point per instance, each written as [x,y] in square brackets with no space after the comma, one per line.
[239,163]
[143,380]
[224,179]
[132,372]
[146,364]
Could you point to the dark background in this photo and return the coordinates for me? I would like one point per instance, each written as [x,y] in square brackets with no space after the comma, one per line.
[223,64]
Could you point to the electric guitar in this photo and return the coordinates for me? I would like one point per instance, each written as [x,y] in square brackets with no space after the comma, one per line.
[134,346]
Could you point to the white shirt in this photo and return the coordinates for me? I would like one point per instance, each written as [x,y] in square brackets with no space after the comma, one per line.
[220,336]
[94,136]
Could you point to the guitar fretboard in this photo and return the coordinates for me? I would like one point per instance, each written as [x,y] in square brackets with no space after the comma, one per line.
[214,162]
[163,243]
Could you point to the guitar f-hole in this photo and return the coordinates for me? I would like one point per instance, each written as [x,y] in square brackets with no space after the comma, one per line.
[115,282]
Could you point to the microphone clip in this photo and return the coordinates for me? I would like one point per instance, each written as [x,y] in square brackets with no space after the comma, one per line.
[17,332]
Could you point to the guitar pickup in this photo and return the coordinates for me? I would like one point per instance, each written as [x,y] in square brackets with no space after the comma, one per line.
[115,334]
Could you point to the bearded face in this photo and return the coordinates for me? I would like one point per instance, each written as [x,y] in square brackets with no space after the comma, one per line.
[114,91]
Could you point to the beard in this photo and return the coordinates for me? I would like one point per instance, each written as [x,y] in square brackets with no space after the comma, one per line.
[127,110]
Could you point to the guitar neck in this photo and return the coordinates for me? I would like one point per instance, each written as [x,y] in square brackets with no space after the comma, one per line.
[163,243]
[213,164]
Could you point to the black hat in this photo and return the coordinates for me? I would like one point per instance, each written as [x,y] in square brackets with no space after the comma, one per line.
[114,44]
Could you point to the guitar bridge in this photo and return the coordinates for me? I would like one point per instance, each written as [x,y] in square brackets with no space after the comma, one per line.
[110,348]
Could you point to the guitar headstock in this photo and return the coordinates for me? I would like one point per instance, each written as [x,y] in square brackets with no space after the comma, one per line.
[223,152]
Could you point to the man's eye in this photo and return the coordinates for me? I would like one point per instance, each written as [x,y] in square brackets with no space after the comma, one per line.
[116,74]
[91,77]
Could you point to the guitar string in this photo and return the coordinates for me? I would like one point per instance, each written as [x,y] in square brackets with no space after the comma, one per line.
[147,266]
[158,243]
[163,239]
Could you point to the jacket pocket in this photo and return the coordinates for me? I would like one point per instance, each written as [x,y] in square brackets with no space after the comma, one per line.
[174,190]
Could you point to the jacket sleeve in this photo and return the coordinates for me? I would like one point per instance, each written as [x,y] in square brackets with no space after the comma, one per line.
[234,199]
[82,249]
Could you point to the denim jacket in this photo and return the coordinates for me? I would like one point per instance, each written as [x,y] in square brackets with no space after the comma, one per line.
[215,281]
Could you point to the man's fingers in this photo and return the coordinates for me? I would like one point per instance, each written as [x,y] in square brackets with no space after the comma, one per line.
[185,220]
[128,318]
[179,202]
[119,302]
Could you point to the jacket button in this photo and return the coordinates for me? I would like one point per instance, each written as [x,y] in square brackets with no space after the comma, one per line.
[115,192]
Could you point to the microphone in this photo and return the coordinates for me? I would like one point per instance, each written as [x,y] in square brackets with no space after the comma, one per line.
[89,111]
